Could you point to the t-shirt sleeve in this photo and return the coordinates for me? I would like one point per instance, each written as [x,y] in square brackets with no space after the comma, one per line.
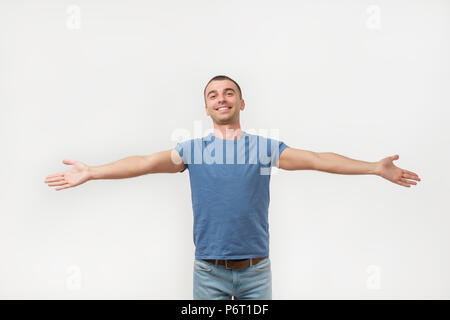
[181,148]
[277,147]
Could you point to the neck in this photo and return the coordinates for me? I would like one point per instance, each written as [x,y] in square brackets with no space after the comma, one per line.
[228,131]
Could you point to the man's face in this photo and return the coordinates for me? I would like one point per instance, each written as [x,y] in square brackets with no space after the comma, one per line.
[222,102]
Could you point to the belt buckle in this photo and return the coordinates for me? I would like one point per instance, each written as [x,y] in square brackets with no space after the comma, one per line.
[232,261]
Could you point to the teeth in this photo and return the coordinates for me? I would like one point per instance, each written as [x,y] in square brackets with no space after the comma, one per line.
[223,108]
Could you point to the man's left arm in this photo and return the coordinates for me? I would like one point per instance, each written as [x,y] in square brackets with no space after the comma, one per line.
[297,159]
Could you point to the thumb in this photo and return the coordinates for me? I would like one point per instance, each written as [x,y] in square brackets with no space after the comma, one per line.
[395,157]
[67,161]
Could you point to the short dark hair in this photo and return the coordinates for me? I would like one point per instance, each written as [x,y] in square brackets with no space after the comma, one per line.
[222,77]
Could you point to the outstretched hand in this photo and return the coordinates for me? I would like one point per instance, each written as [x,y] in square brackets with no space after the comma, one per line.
[76,175]
[388,170]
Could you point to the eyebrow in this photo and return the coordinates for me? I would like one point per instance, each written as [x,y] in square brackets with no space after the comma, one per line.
[226,89]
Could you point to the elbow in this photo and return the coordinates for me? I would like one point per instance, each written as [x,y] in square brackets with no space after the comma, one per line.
[296,159]
[316,161]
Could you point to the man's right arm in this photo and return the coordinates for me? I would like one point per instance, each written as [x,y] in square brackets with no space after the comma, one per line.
[168,161]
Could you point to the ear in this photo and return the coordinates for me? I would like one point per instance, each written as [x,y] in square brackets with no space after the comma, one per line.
[206,109]
[242,104]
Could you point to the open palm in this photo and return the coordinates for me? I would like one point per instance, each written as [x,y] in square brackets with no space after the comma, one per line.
[76,175]
[388,170]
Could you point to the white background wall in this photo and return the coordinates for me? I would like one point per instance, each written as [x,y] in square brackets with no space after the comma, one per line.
[97,81]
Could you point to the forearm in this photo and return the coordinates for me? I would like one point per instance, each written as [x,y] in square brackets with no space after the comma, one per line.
[124,168]
[335,163]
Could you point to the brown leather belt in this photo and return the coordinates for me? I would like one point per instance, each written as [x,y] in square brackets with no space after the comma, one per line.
[236,264]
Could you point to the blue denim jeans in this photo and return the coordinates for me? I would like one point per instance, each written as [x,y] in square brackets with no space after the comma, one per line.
[215,282]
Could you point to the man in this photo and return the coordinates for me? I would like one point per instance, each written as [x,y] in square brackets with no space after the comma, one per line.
[229,175]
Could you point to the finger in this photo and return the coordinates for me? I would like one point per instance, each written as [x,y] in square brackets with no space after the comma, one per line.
[63,187]
[411,173]
[410,176]
[403,184]
[59,183]
[55,175]
[408,181]
[54,179]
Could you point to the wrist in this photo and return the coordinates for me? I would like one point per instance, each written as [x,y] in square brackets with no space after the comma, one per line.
[375,169]
[91,173]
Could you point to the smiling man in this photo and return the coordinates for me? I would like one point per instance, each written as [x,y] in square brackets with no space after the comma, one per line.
[229,175]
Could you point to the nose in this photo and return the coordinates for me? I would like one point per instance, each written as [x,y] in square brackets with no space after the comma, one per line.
[221,98]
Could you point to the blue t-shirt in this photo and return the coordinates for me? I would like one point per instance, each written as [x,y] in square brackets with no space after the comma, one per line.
[230,193]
